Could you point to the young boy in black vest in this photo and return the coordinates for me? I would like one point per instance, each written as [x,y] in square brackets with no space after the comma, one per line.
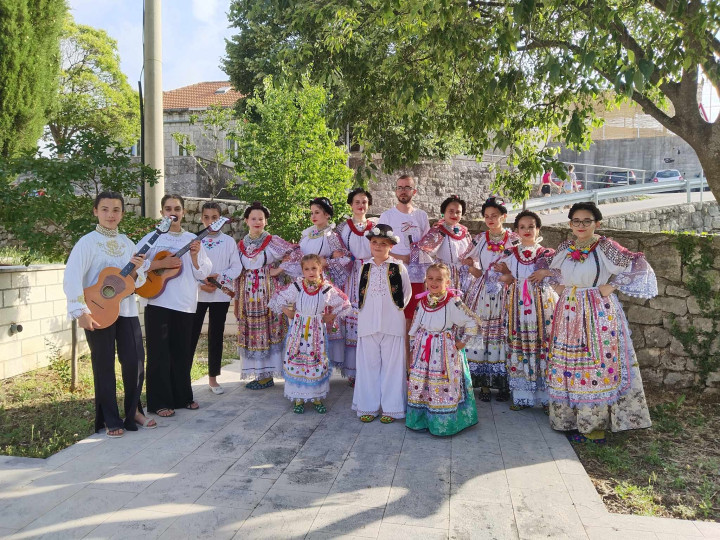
[384,292]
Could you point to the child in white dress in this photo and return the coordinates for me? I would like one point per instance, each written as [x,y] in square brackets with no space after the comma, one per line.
[309,304]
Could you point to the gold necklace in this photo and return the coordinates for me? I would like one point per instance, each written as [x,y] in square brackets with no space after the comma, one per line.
[580,244]
[105,231]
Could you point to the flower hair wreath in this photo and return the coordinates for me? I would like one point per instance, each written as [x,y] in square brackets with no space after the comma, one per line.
[377,232]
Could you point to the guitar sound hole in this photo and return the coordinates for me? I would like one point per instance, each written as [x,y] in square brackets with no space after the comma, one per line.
[108,291]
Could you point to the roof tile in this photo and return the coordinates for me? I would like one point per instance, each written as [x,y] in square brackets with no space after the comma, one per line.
[200,96]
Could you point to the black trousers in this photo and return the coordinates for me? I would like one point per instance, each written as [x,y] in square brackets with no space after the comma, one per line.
[168,335]
[216,329]
[126,333]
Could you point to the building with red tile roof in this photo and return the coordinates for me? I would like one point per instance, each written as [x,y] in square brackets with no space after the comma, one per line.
[200,96]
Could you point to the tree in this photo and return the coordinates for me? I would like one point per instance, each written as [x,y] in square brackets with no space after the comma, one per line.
[215,122]
[94,93]
[29,65]
[506,74]
[47,202]
[286,155]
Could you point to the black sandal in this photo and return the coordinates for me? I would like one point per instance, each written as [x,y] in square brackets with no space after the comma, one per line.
[484,395]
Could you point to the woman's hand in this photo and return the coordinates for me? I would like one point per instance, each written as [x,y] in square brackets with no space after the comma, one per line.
[606,290]
[86,322]
[138,260]
[501,267]
[289,311]
[171,262]
[328,318]
[507,279]
[468,261]
[538,275]
[274,272]
[337,254]
[459,345]
[476,272]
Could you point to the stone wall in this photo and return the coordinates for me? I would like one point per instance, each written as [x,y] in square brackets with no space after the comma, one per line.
[663,361]
[33,297]
[435,181]
[697,216]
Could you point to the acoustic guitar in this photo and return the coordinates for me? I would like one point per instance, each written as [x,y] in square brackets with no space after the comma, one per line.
[223,288]
[113,284]
[157,279]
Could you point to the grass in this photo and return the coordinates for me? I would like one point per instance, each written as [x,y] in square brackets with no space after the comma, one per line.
[669,470]
[10,256]
[39,416]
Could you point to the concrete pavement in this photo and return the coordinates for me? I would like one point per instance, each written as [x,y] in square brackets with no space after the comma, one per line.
[244,466]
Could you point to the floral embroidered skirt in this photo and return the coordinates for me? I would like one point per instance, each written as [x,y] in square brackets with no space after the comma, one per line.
[260,331]
[306,366]
[440,397]
[486,352]
[593,376]
[528,325]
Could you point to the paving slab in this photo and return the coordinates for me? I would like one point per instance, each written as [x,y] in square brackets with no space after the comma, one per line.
[244,466]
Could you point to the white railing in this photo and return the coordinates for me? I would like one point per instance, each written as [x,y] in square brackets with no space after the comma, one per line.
[599,195]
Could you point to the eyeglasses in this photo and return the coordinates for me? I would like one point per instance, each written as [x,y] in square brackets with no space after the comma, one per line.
[583,222]
[404,188]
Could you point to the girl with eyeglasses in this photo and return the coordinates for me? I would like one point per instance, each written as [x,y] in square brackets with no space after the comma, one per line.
[593,377]
[486,297]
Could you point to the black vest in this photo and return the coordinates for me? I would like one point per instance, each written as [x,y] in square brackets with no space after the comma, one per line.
[394,279]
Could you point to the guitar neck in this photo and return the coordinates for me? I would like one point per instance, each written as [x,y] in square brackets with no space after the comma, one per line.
[183,250]
[129,267]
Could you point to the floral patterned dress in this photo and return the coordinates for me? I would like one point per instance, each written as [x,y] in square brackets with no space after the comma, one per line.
[448,246]
[306,366]
[528,320]
[593,375]
[440,396]
[355,241]
[325,242]
[260,331]
[486,296]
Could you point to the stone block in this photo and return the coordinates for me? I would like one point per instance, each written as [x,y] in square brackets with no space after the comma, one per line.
[5,280]
[713,379]
[702,324]
[648,357]
[47,277]
[32,345]
[672,361]
[672,290]
[677,348]
[656,336]
[644,315]
[54,292]
[22,279]
[652,377]
[665,260]
[679,380]
[33,294]
[678,306]
[693,306]
[11,297]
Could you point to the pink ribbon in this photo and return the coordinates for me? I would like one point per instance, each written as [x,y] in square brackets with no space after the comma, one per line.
[256,281]
[428,343]
[527,299]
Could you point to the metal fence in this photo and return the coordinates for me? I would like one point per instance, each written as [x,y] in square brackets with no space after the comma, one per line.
[600,195]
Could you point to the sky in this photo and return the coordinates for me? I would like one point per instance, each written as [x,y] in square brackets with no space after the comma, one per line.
[193,36]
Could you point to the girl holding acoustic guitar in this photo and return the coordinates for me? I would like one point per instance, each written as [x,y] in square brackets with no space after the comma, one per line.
[102,248]
[215,292]
[170,313]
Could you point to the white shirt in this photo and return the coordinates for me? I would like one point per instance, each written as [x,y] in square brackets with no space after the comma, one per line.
[222,251]
[358,245]
[93,253]
[410,228]
[181,292]
[379,313]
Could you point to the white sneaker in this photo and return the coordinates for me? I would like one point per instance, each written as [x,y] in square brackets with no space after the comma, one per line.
[217,390]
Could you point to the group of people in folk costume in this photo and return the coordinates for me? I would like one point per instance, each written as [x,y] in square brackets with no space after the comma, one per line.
[415,317]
